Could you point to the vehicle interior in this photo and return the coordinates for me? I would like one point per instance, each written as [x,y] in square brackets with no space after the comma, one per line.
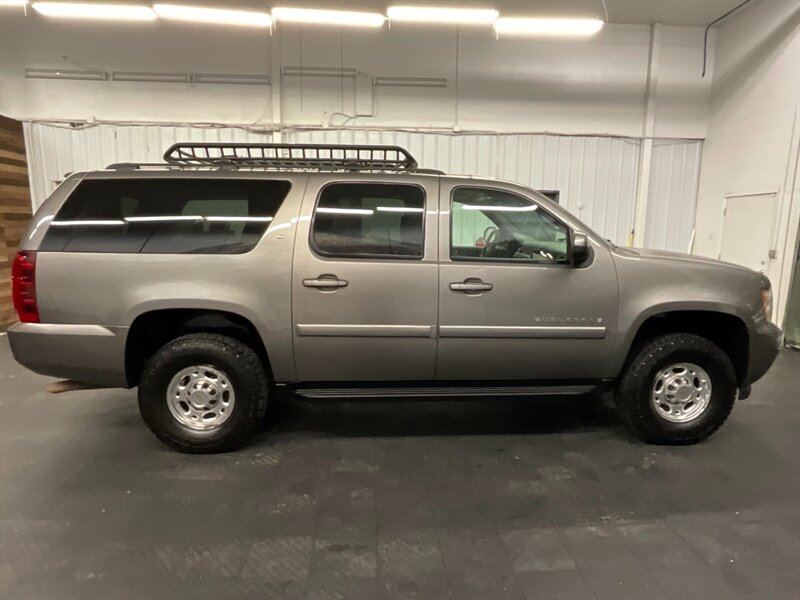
[493,224]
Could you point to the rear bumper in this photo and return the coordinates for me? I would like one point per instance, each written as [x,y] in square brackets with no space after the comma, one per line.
[87,353]
[764,347]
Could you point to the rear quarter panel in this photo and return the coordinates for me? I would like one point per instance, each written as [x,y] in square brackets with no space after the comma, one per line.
[112,289]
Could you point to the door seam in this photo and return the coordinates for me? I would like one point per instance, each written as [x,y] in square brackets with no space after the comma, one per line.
[435,330]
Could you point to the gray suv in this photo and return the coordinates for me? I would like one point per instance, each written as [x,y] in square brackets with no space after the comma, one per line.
[348,272]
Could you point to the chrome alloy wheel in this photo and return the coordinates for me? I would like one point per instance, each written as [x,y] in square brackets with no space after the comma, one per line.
[201,397]
[681,392]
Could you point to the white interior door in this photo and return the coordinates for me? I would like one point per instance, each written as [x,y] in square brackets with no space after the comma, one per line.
[747,230]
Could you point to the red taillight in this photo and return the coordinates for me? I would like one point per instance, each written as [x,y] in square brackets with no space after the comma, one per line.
[23,286]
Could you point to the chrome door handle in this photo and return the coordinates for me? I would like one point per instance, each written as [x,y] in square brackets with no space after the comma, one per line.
[325,282]
[471,285]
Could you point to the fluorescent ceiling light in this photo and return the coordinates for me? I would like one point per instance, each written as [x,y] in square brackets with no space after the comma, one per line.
[555,27]
[427,82]
[166,218]
[400,209]
[319,71]
[87,10]
[449,16]
[242,79]
[528,208]
[328,17]
[150,76]
[238,219]
[66,74]
[171,218]
[346,211]
[217,16]
[88,223]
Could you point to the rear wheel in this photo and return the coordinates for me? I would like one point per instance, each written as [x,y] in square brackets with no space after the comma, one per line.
[678,389]
[203,393]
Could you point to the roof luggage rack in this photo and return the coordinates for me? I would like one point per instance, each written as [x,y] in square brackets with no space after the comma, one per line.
[320,157]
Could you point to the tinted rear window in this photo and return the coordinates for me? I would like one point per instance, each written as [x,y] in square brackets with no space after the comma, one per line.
[170,216]
[361,220]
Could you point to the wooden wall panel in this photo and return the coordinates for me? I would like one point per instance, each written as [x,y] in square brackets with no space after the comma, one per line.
[15,207]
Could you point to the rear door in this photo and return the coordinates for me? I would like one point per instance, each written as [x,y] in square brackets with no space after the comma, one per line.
[365,298]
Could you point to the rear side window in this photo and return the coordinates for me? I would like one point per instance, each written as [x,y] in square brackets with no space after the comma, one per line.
[169,216]
[369,221]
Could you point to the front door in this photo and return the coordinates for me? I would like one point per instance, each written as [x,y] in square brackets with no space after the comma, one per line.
[365,279]
[511,306]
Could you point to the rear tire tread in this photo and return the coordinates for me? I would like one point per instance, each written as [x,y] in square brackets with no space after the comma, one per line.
[211,342]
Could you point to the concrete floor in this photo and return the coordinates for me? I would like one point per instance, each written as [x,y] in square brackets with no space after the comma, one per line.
[484,500]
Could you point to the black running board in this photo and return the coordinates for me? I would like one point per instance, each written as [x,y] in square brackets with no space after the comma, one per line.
[359,393]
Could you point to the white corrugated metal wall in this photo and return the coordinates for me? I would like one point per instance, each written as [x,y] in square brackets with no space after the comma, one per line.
[674,177]
[596,176]
[56,150]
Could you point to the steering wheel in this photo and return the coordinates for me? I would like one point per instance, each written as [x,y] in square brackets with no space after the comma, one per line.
[489,240]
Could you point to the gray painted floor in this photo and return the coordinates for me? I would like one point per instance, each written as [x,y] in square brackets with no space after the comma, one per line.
[522,499]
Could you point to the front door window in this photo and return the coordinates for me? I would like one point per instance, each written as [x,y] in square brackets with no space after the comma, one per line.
[491,225]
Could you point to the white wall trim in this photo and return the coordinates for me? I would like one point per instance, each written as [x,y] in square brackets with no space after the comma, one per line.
[648,126]
[788,236]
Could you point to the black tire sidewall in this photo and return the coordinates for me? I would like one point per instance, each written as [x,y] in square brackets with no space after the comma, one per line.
[637,386]
[196,350]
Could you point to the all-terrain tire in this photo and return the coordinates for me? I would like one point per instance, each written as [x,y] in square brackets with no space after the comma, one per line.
[242,367]
[635,388]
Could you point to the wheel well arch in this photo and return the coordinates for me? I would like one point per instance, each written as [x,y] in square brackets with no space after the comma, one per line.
[151,330]
[726,330]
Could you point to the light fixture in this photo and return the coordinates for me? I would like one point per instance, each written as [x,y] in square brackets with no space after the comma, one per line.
[163,218]
[328,17]
[13,2]
[232,78]
[238,219]
[89,223]
[89,10]
[443,15]
[346,211]
[426,82]
[217,16]
[490,208]
[318,72]
[551,27]
[173,218]
[41,222]
[400,209]
[66,74]
[150,76]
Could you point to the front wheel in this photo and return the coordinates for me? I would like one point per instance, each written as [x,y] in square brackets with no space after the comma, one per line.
[678,389]
[203,393]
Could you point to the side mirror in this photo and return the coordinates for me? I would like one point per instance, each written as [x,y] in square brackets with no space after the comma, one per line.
[580,249]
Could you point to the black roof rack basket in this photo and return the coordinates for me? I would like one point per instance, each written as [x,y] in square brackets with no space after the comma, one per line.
[320,157]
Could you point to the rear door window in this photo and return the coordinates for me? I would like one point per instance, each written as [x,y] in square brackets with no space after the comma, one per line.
[169,216]
[360,220]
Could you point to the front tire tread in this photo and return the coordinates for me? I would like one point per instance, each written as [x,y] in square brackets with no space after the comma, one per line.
[633,390]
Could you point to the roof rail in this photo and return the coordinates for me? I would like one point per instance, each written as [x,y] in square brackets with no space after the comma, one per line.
[130,166]
[321,157]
